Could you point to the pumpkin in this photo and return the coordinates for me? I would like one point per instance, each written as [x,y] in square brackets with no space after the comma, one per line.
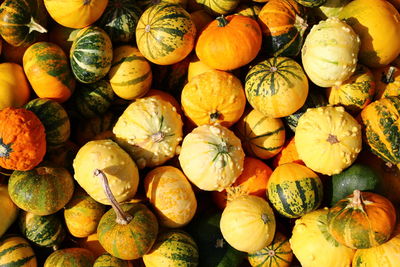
[130,74]
[171,195]
[21,22]
[288,154]
[381,120]
[249,10]
[82,214]
[196,67]
[8,210]
[283,25]
[328,139]
[217,44]
[362,16]
[22,139]
[329,53]
[276,254]
[261,136]
[91,54]
[172,248]
[216,7]
[144,4]
[218,160]
[312,244]
[165,34]
[362,220]
[166,97]
[41,191]
[14,86]
[311,3]
[108,156]
[276,87]
[69,257]
[252,181]
[75,14]
[62,36]
[214,97]
[331,8]
[16,251]
[92,244]
[106,260]
[248,223]
[127,231]
[356,92]
[387,82]
[150,130]
[200,19]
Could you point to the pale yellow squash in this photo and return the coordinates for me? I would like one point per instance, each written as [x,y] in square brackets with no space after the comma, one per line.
[8,210]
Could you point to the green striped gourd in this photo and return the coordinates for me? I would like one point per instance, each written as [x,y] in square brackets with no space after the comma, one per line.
[91,54]
[44,231]
[311,3]
[249,10]
[54,118]
[120,19]
[15,251]
[107,260]
[331,8]
[294,190]
[221,7]
[70,257]
[173,248]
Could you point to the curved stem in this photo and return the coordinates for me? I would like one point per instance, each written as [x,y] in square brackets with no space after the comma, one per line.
[34,26]
[222,22]
[214,116]
[389,77]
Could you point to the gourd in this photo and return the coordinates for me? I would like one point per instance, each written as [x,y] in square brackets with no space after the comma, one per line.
[251,10]
[196,67]
[15,89]
[288,154]
[16,251]
[387,82]
[311,3]
[8,210]
[92,244]
[216,7]
[167,97]
[331,8]
[329,54]
[106,260]
[218,160]
[70,257]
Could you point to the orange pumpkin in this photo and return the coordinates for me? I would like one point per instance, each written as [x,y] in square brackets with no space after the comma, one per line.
[288,154]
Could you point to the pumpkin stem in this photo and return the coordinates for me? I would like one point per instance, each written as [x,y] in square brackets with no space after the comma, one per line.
[34,26]
[215,116]
[122,217]
[300,24]
[332,139]
[87,2]
[265,218]
[158,137]
[389,77]
[357,201]
[222,21]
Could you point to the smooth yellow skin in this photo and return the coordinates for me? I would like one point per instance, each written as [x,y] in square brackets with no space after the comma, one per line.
[14,87]
[11,256]
[8,210]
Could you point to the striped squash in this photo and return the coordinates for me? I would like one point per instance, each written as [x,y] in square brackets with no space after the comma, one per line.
[261,136]
[130,74]
[15,251]
[107,260]
[221,7]
[311,3]
[276,87]
[144,4]
[91,54]
[70,257]
[165,34]
[294,190]
[44,231]
[250,9]
[54,118]
[173,248]
[387,82]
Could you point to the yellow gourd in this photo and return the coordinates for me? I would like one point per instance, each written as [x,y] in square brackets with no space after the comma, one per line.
[14,86]
[8,210]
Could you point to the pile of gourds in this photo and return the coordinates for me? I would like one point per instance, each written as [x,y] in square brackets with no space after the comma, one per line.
[199,133]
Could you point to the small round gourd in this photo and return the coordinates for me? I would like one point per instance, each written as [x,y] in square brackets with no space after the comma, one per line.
[107,260]
[331,8]
[70,257]
[15,90]
[221,7]
[16,249]
[387,82]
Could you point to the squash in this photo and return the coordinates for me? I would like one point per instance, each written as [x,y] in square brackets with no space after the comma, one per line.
[150,130]
[15,88]
[165,34]
[387,82]
[261,136]
[331,8]
[46,67]
[167,97]
[62,36]
[75,14]
[22,139]
[217,44]
[218,160]
[130,74]
[106,260]
[16,251]
[173,248]
[311,3]
[329,54]
[41,191]
[312,244]
[215,7]
[213,97]
[145,4]
[91,54]
[249,10]
[362,16]
[288,154]
[92,244]
[362,220]
[21,22]
[196,67]
[200,19]
[171,195]
[248,223]
[69,257]
[109,157]
[8,210]
[328,139]
[276,87]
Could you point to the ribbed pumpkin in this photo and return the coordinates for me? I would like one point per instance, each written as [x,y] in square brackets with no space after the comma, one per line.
[150,130]
[91,54]
[165,34]
[329,54]
[173,248]
[106,260]
[46,67]
[362,220]
[214,97]
[41,191]
[62,36]
[22,139]
[288,154]
[387,82]
[75,14]
[8,210]
[381,120]
[70,257]
[276,254]
[21,21]
[261,136]
[14,86]
[283,27]
[130,74]
[251,10]
[218,160]
[276,87]
[248,223]
[215,7]
[328,139]
[16,251]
